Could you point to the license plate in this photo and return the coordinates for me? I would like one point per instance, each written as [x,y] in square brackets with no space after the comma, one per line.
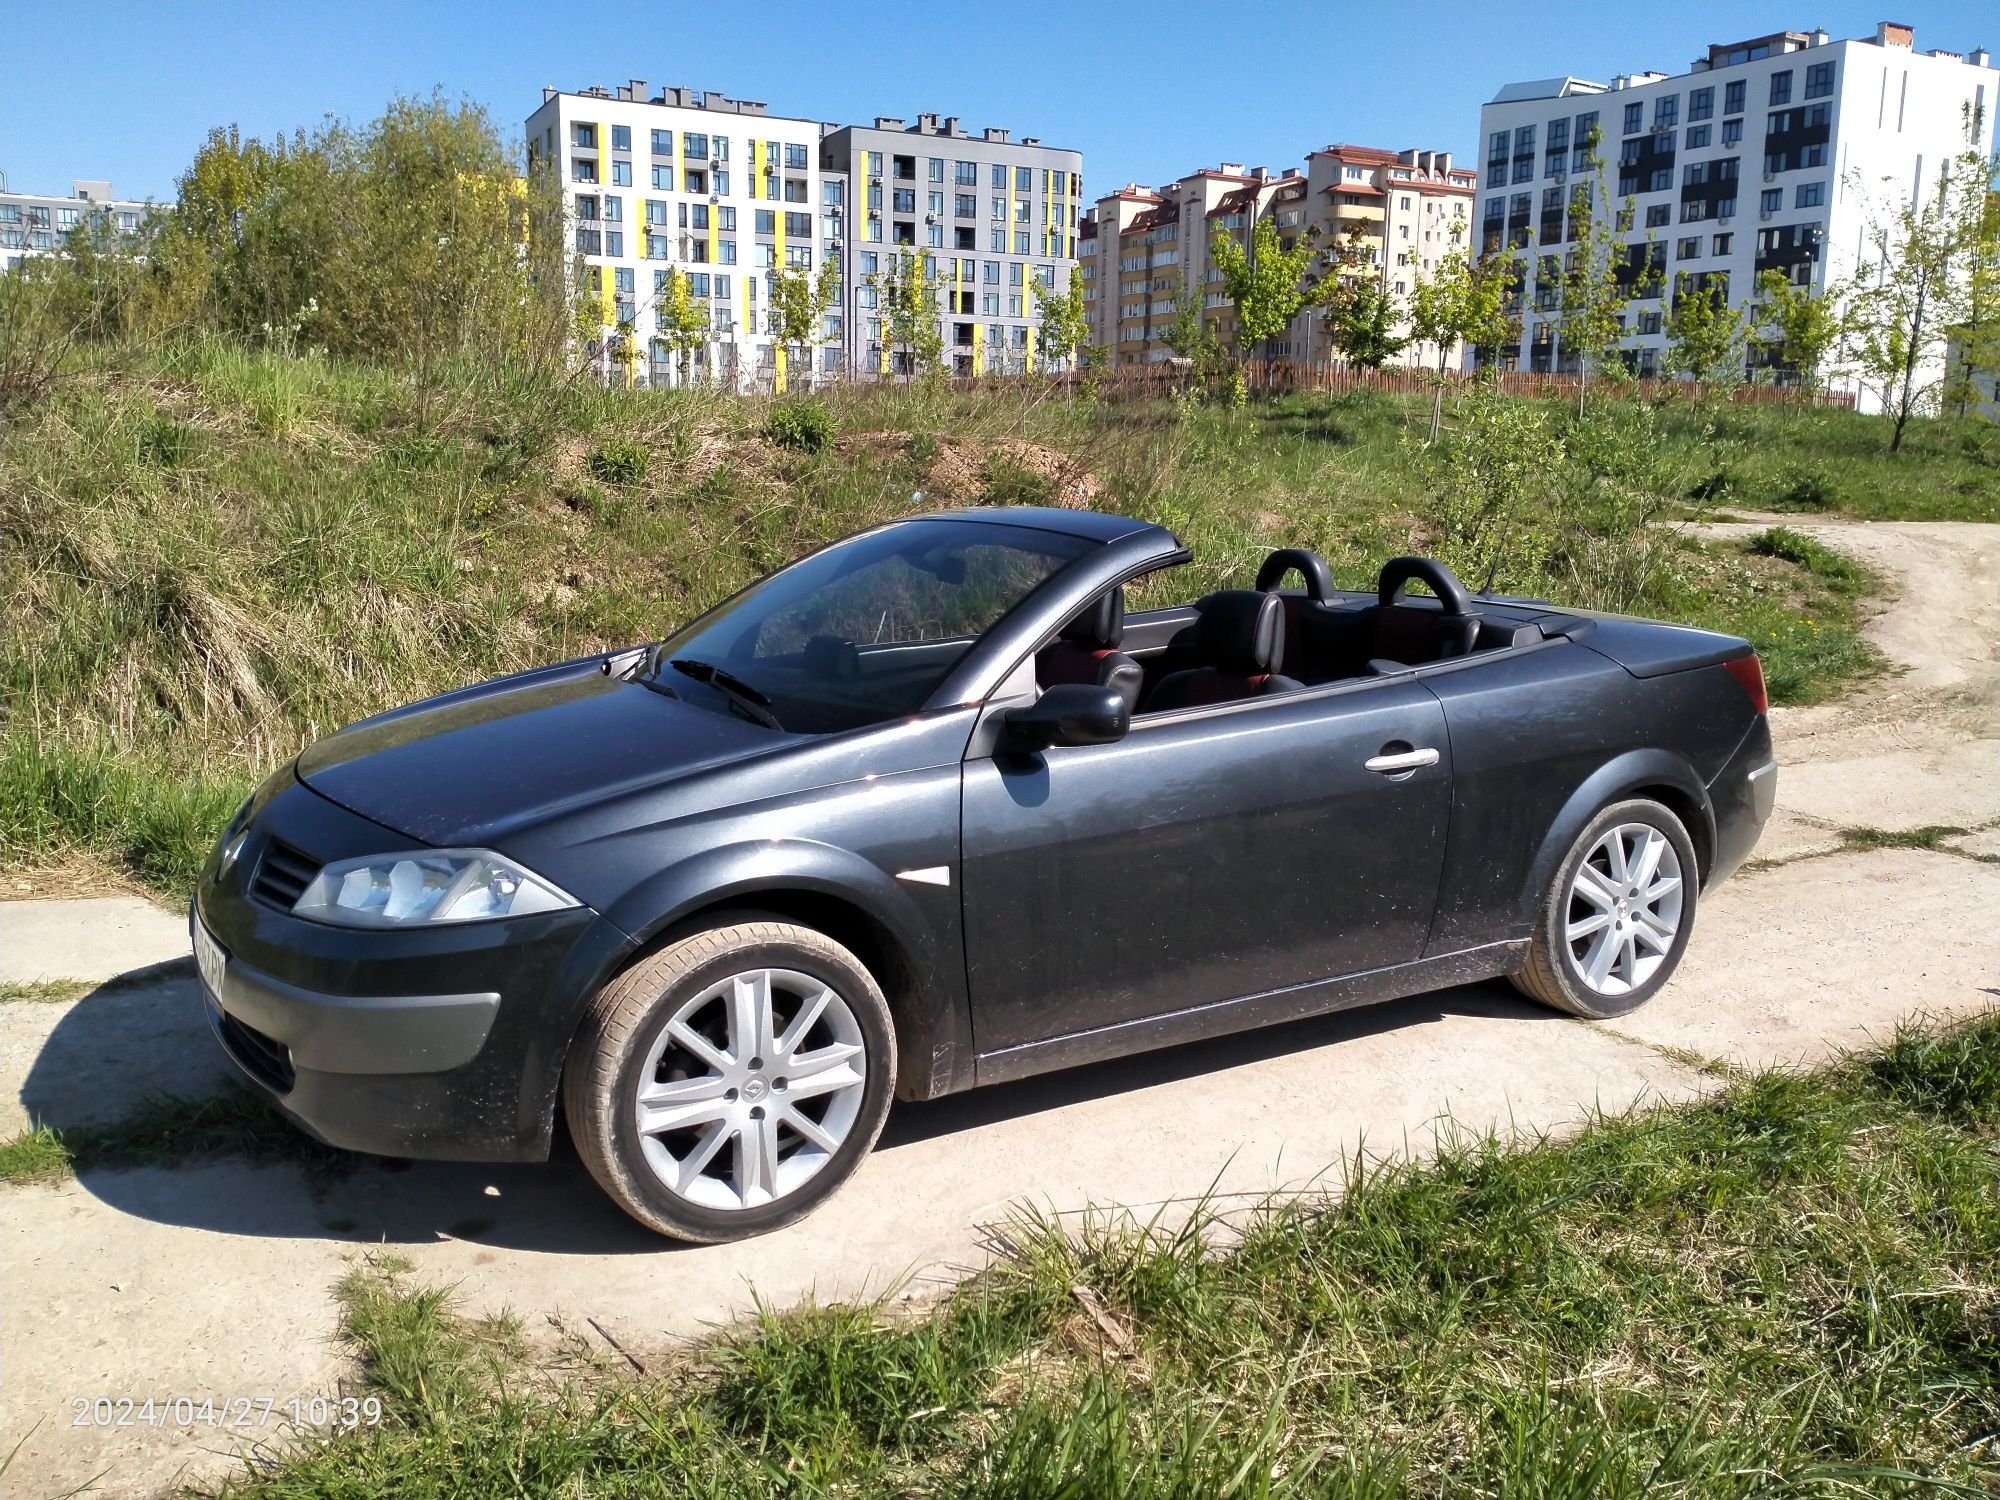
[209,960]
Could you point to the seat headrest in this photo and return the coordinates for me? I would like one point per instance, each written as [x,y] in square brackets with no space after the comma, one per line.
[1242,632]
[1101,626]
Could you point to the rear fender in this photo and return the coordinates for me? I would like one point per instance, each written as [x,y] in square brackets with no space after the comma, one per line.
[1617,778]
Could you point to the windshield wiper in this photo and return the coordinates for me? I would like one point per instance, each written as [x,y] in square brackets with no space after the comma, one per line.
[753,703]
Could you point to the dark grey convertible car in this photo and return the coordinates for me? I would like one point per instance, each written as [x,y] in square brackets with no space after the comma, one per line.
[928,809]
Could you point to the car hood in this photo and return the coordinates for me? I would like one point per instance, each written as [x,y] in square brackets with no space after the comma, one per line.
[468,767]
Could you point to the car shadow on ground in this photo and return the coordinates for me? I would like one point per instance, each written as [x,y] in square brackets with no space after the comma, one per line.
[153,1030]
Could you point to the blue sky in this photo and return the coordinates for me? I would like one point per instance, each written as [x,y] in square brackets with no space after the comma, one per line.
[127,90]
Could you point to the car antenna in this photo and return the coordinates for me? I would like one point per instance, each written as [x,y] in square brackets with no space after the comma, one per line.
[1486,588]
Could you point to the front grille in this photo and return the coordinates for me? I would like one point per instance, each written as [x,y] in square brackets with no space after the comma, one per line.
[264,1058]
[282,875]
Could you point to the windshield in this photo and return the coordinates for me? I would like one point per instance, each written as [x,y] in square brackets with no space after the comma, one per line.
[863,631]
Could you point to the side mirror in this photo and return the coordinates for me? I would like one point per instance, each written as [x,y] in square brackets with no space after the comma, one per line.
[1070,713]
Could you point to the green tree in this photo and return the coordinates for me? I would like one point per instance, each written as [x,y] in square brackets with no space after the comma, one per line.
[683,321]
[908,296]
[1705,332]
[1975,340]
[799,304]
[1463,302]
[1266,282]
[1192,337]
[1359,315]
[1791,330]
[1596,282]
[1915,289]
[1063,319]
[409,240]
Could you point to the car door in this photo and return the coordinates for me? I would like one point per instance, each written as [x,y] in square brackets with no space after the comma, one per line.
[1207,855]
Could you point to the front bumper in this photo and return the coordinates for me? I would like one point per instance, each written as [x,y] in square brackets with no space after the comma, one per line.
[443,1042]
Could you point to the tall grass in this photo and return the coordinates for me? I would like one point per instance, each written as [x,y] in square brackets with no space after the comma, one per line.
[215,554]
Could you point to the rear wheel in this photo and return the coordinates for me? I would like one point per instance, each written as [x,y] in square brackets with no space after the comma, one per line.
[728,1084]
[1617,918]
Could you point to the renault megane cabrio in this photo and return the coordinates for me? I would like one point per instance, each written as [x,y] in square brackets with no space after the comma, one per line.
[928,809]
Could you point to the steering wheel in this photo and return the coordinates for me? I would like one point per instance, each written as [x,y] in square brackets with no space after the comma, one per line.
[1310,566]
[1398,571]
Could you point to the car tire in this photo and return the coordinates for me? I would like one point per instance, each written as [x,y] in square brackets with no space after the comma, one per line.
[665,1042]
[1616,919]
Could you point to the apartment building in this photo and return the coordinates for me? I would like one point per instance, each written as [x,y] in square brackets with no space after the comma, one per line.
[718,188]
[1775,153]
[1141,246]
[993,219]
[40,224]
[729,193]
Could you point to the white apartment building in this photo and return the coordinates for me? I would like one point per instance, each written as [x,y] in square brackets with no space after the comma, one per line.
[40,223]
[1776,153]
[718,188]
[728,193]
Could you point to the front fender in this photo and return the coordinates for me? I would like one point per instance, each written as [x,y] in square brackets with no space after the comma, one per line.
[1618,777]
[918,922]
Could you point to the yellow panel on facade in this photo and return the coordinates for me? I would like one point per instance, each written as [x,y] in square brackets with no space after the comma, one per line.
[978,349]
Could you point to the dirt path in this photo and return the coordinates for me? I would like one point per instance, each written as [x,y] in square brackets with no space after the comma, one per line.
[215,1281]
[1921,744]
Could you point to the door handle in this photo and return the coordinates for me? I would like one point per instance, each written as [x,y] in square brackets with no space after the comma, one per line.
[1403,763]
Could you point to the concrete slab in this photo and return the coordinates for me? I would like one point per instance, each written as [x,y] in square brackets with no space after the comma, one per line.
[95,1310]
[93,940]
[1954,784]
[1789,836]
[1794,964]
[91,1060]
[1985,843]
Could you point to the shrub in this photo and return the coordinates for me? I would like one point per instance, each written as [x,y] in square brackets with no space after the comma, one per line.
[1801,488]
[619,462]
[805,425]
[1815,557]
[1010,483]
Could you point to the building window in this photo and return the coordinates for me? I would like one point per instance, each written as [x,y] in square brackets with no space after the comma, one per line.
[697,182]
[583,170]
[614,208]
[1697,137]
[585,136]
[1732,97]
[1689,248]
[1720,244]
[1732,132]
[965,173]
[663,143]
[1666,111]
[1635,117]
[1810,195]
[795,158]
[621,174]
[1701,104]
[1781,87]
[1771,201]
[1819,80]
[1024,179]
[621,137]
[1659,214]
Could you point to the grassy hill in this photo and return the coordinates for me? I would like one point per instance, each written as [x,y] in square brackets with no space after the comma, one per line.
[212,556]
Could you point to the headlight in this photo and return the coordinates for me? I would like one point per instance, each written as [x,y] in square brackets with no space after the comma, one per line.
[433,885]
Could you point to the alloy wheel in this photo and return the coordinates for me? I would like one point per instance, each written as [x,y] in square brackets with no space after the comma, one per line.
[1624,909]
[750,1088]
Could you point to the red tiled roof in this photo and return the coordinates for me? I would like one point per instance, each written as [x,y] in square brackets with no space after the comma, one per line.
[1352,187]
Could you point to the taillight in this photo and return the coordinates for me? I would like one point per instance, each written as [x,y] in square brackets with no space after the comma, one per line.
[1749,675]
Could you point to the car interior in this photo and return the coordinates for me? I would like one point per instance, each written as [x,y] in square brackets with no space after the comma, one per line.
[1246,643]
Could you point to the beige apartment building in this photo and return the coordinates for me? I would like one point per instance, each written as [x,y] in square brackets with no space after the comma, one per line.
[1139,247]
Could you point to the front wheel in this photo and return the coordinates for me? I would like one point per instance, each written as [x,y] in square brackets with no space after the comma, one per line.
[1617,918]
[729,1083]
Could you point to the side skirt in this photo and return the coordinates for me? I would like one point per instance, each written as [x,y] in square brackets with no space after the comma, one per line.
[1317,997]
